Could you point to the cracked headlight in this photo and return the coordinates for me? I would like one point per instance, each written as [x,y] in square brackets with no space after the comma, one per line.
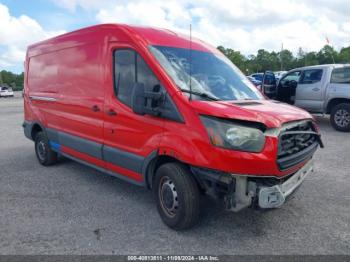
[224,133]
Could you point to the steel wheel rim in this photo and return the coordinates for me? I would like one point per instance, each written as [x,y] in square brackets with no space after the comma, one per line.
[168,196]
[342,118]
[41,149]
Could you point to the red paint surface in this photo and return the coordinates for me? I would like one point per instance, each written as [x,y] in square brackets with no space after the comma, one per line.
[84,157]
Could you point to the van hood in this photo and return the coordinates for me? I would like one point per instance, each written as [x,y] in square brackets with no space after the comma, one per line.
[272,114]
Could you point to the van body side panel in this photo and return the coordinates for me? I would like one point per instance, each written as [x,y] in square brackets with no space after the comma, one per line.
[41,81]
[66,95]
[80,90]
[64,88]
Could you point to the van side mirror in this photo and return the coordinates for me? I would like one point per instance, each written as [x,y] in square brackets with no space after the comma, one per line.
[146,102]
[269,85]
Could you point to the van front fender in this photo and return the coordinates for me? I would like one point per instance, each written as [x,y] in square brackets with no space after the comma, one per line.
[184,149]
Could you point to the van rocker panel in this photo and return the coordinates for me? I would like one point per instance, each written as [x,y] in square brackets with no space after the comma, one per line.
[109,154]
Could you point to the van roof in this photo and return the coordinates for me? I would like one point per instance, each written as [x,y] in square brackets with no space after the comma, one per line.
[146,35]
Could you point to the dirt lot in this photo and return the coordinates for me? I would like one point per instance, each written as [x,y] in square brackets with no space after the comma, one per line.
[73,209]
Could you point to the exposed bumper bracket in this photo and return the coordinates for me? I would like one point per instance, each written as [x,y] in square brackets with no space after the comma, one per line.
[243,195]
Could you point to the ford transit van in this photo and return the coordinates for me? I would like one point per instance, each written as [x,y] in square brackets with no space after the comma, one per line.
[165,112]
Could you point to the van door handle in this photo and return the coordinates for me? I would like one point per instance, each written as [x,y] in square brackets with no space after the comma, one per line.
[95,108]
[111,112]
[315,89]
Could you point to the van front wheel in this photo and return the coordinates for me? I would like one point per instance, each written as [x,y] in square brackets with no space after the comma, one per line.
[45,155]
[340,117]
[177,196]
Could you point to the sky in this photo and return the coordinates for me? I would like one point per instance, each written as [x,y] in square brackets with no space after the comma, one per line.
[243,25]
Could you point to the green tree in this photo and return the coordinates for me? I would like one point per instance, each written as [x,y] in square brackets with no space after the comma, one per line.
[235,56]
[311,59]
[301,58]
[344,55]
[327,55]
[265,60]
[288,60]
[10,79]
[252,65]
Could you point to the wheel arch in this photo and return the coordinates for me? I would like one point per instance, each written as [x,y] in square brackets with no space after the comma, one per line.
[31,129]
[35,130]
[154,161]
[336,101]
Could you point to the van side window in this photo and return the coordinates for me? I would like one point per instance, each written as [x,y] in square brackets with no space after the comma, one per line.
[311,76]
[145,75]
[125,75]
[341,75]
[130,68]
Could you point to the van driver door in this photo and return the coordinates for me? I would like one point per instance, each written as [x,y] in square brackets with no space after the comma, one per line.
[129,138]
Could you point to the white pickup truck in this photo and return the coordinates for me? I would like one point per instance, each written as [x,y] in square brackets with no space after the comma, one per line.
[321,89]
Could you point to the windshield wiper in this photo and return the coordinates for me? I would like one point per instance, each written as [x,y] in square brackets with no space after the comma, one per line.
[203,95]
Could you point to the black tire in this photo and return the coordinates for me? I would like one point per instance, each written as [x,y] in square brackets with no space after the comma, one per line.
[340,117]
[179,209]
[45,155]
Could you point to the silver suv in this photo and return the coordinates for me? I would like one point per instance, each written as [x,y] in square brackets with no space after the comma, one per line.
[318,89]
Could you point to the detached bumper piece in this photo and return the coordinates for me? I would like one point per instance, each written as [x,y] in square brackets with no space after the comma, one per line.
[275,196]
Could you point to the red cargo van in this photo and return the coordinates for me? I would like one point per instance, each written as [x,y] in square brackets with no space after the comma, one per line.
[138,103]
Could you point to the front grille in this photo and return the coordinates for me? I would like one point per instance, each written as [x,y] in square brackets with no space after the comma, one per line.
[296,144]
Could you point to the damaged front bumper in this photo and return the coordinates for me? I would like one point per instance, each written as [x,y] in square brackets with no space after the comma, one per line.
[248,192]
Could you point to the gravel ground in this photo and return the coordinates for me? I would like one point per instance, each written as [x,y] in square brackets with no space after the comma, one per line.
[72,209]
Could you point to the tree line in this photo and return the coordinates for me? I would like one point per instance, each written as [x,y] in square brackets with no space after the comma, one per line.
[10,79]
[262,61]
[285,60]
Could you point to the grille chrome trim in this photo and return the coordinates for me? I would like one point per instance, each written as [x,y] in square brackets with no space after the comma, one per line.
[275,132]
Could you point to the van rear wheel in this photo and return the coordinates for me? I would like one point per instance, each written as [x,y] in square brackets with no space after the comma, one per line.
[340,117]
[45,155]
[177,196]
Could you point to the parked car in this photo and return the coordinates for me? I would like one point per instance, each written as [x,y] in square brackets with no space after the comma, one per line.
[257,76]
[136,103]
[255,82]
[321,89]
[6,92]
[279,74]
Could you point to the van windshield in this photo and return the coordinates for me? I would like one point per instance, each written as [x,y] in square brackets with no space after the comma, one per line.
[212,75]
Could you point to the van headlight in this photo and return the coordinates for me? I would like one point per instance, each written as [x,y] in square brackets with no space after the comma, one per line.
[224,133]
